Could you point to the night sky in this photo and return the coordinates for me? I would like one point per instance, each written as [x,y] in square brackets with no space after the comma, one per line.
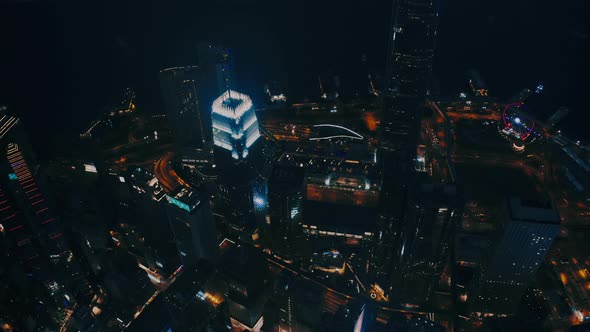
[61,61]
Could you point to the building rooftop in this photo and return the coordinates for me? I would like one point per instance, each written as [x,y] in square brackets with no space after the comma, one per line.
[185,198]
[232,104]
[532,211]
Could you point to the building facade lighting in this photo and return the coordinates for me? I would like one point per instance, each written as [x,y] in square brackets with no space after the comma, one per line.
[235,126]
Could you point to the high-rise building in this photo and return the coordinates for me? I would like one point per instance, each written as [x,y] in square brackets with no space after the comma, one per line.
[426,242]
[234,198]
[31,237]
[217,71]
[411,49]
[243,268]
[528,232]
[409,68]
[84,205]
[191,220]
[285,201]
[194,302]
[558,116]
[235,126]
[217,67]
[138,229]
[180,90]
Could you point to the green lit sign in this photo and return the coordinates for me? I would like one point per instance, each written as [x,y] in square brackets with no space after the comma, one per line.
[12,176]
[178,203]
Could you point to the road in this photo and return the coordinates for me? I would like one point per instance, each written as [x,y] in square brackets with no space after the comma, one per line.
[169,180]
[473,116]
[342,298]
[499,160]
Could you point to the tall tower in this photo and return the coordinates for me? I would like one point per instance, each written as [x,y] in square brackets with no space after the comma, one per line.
[425,248]
[180,90]
[411,47]
[235,126]
[217,65]
[529,230]
[31,238]
[409,68]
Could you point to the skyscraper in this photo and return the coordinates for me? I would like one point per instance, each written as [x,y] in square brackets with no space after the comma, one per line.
[411,49]
[243,268]
[180,90]
[217,68]
[235,126]
[425,246]
[194,302]
[285,200]
[409,68]
[191,220]
[31,236]
[529,230]
[139,228]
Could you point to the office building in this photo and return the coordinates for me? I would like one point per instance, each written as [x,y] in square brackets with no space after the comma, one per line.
[217,65]
[236,194]
[341,204]
[180,91]
[194,302]
[409,68]
[260,200]
[235,126]
[139,228]
[217,69]
[285,204]
[243,268]
[425,247]
[411,49]
[295,306]
[408,74]
[556,117]
[84,207]
[32,240]
[193,227]
[528,232]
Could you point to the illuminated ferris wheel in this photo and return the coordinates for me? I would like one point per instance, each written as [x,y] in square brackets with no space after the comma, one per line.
[517,127]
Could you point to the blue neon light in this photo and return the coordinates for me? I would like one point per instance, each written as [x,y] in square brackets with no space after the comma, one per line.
[178,203]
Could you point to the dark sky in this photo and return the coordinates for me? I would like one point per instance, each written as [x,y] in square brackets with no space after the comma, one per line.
[60,61]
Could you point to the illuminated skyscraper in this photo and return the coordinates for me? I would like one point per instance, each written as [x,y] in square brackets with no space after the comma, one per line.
[235,127]
[180,87]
